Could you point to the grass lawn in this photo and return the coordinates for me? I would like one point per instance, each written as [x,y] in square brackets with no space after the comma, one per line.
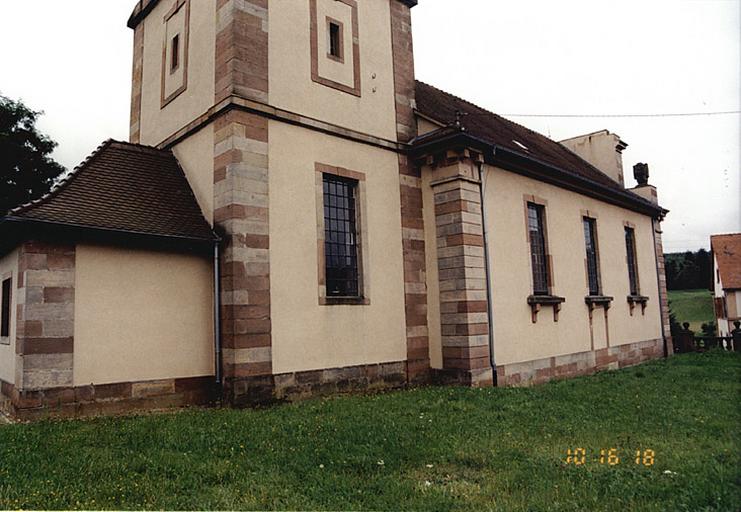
[693,306]
[427,449]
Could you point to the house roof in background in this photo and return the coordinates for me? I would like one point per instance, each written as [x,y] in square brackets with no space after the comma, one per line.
[122,188]
[495,130]
[727,251]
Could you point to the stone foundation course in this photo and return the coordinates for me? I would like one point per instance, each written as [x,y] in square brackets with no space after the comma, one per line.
[581,363]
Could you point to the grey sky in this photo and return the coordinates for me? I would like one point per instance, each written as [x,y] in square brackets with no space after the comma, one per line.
[72,59]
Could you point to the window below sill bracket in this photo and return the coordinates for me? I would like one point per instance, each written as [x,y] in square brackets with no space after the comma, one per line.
[597,301]
[637,299]
[536,301]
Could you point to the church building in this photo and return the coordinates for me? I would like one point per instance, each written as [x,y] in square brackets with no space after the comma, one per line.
[295,215]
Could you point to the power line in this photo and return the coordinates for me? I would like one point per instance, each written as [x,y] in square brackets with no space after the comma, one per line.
[676,114]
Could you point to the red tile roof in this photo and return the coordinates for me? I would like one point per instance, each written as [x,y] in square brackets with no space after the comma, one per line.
[125,188]
[496,130]
[727,251]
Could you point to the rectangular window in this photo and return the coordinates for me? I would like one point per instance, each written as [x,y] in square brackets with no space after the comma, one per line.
[175,53]
[630,247]
[5,309]
[335,40]
[590,240]
[538,253]
[340,236]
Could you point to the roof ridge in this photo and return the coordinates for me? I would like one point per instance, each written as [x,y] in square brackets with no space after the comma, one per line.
[63,182]
[535,133]
[136,145]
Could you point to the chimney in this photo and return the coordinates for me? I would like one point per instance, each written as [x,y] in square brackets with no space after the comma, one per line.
[602,149]
[643,189]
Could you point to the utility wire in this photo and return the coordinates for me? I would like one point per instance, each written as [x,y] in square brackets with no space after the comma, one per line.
[679,114]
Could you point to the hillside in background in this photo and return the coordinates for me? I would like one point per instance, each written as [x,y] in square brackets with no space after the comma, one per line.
[689,270]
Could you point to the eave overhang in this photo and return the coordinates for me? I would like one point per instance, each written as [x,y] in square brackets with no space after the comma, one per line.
[456,139]
[15,230]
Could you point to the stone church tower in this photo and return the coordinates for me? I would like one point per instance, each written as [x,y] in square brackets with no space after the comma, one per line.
[268,105]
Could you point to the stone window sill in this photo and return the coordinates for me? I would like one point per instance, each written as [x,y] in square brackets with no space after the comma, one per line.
[637,299]
[344,301]
[4,340]
[598,300]
[537,301]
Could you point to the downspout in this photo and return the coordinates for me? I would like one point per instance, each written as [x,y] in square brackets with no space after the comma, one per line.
[658,284]
[487,267]
[217,313]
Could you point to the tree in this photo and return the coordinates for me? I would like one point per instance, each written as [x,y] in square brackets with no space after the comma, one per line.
[27,172]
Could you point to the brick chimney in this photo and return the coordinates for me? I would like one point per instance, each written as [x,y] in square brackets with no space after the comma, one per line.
[602,149]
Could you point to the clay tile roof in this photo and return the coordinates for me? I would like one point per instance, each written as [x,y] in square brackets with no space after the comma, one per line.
[494,129]
[125,188]
[727,251]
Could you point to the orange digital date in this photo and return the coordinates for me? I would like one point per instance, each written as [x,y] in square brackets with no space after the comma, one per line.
[609,456]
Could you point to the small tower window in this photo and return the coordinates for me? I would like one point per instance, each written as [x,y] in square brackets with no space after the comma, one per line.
[175,53]
[335,39]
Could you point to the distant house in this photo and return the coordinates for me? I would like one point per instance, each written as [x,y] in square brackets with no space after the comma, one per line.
[294,214]
[726,251]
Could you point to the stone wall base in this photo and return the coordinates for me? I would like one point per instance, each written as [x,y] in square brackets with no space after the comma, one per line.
[106,399]
[580,363]
[265,389]
[479,378]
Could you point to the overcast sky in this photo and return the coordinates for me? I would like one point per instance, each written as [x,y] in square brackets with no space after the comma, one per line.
[72,59]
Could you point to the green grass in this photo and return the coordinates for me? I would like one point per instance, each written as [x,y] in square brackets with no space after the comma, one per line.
[693,306]
[428,449]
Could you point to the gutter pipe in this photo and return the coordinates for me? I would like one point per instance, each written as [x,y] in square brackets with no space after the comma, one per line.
[654,224]
[487,267]
[217,313]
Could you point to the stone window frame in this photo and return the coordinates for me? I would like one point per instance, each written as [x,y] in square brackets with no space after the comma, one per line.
[592,217]
[341,40]
[634,298]
[184,39]
[8,276]
[551,299]
[361,226]
[314,43]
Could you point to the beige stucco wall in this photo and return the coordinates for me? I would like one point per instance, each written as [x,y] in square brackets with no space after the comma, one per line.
[9,268]
[291,87]
[516,337]
[341,72]
[305,335]
[141,315]
[433,282]
[156,123]
[426,126]
[599,150]
[196,156]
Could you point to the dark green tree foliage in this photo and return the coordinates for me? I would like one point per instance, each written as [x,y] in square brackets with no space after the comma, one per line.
[27,172]
[688,270]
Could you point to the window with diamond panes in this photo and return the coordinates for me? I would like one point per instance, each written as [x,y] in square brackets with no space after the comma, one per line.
[340,236]
[538,253]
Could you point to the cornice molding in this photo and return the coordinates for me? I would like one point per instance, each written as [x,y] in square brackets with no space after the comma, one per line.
[144,7]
